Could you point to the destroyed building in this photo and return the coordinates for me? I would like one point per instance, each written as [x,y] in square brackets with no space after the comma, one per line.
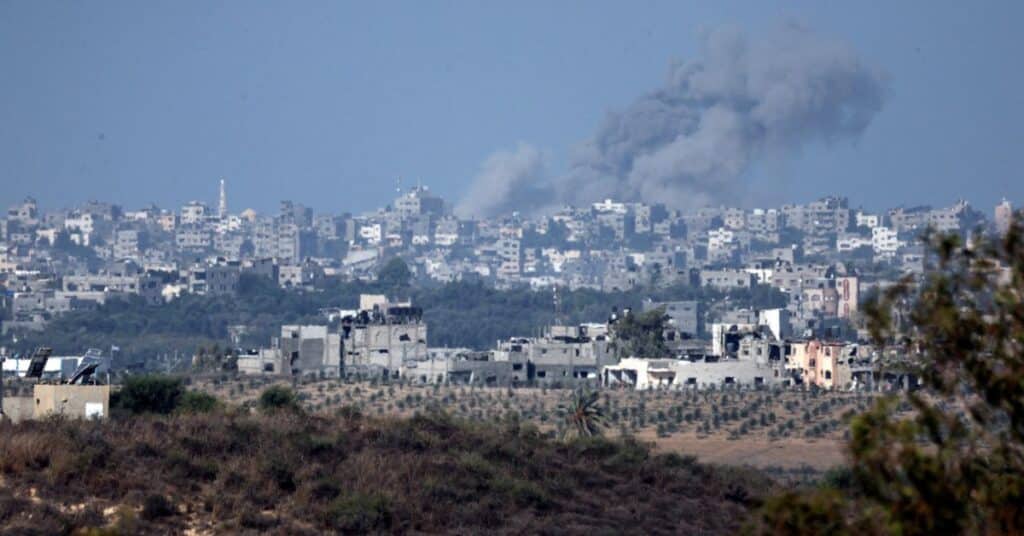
[562,355]
[382,335]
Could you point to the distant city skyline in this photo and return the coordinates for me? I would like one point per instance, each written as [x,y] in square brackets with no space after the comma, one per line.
[219,203]
[137,103]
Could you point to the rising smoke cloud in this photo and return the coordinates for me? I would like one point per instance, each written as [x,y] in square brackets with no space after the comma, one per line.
[691,142]
[507,181]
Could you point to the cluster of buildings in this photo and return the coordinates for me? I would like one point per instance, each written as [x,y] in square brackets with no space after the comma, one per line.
[388,339]
[823,255]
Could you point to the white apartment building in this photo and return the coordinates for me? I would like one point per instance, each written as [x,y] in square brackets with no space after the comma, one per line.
[371,233]
[846,243]
[885,241]
[193,212]
[720,240]
[610,206]
[868,220]
[79,221]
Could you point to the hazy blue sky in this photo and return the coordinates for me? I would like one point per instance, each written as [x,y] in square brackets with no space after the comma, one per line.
[327,103]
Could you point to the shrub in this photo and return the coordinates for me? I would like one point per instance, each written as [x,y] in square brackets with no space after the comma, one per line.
[156,506]
[361,512]
[278,397]
[151,393]
[197,402]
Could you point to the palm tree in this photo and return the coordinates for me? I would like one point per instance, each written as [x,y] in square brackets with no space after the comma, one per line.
[583,416]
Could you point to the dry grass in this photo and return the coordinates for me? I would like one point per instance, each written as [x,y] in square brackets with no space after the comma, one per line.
[236,471]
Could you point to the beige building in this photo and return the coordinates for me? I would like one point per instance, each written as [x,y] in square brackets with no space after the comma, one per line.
[825,364]
[81,401]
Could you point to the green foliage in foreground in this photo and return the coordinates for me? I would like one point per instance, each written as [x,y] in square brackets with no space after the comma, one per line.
[956,466]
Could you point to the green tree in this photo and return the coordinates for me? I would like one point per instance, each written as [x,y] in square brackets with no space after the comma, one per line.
[642,334]
[394,274]
[954,464]
[152,393]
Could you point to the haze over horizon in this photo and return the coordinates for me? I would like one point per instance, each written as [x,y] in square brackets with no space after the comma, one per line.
[137,103]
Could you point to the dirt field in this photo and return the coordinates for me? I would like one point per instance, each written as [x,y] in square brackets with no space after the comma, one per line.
[817,454]
[783,431]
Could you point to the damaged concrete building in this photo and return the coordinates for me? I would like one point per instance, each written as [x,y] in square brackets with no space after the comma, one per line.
[382,336]
[564,354]
[300,350]
[698,372]
[462,366]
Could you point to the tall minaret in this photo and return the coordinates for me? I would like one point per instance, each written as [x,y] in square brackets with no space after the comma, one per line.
[222,208]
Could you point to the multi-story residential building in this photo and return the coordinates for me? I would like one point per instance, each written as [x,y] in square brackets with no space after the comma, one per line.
[124,280]
[82,222]
[721,244]
[947,220]
[761,223]
[193,237]
[826,215]
[194,213]
[419,201]
[865,219]
[791,278]
[167,221]
[510,256]
[26,213]
[127,244]
[848,289]
[726,279]
[849,242]
[904,219]
[885,241]
[686,317]
[382,336]
[734,218]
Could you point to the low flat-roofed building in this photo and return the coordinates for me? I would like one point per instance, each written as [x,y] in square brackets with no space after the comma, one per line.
[79,401]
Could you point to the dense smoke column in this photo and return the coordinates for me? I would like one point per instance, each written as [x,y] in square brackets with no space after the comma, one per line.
[690,142]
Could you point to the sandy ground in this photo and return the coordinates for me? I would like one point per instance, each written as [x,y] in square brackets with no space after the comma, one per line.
[819,454]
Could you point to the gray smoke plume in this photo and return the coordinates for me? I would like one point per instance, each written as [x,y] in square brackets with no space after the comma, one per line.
[690,142]
[507,181]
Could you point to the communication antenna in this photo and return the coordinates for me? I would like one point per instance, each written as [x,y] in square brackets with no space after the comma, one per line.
[398,186]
